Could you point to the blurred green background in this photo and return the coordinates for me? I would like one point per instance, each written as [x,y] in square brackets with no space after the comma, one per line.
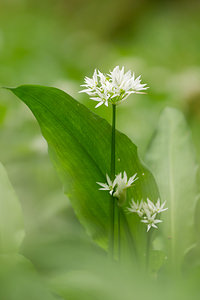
[57,43]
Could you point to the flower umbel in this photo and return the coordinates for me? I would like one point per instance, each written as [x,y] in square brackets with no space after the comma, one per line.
[118,187]
[113,87]
[147,211]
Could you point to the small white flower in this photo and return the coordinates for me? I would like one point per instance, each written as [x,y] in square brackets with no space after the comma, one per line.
[136,207]
[91,84]
[113,87]
[109,186]
[147,211]
[155,208]
[118,187]
[151,221]
[160,207]
[122,184]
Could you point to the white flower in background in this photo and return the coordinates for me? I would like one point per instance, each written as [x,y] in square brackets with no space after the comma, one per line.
[118,187]
[113,87]
[147,211]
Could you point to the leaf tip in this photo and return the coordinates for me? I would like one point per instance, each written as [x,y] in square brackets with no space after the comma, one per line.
[7,88]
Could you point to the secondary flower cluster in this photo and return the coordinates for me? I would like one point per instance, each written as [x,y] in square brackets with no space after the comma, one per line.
[118,187]
[147,211]
[113,87]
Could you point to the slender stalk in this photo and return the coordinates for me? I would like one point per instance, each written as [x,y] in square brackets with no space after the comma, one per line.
[119,234]
[113,142]
[148,250]
[112,175]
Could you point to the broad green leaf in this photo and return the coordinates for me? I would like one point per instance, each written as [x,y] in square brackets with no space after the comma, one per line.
[171,157]
[79,143]
[11,219]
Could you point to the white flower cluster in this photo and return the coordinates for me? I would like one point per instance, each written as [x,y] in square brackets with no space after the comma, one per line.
[147,211]
[118,187]
[113,87]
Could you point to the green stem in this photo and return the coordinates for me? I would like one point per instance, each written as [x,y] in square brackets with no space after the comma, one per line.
[112,175]
[113,142]
[148,250]
[119,234]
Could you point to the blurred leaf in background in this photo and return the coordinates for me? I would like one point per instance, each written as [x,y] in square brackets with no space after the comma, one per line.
[172,159]
[11,218]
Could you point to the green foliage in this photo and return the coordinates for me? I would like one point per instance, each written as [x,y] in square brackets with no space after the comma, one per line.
[11,219]
[79,143]
[19,280]
[171,157]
